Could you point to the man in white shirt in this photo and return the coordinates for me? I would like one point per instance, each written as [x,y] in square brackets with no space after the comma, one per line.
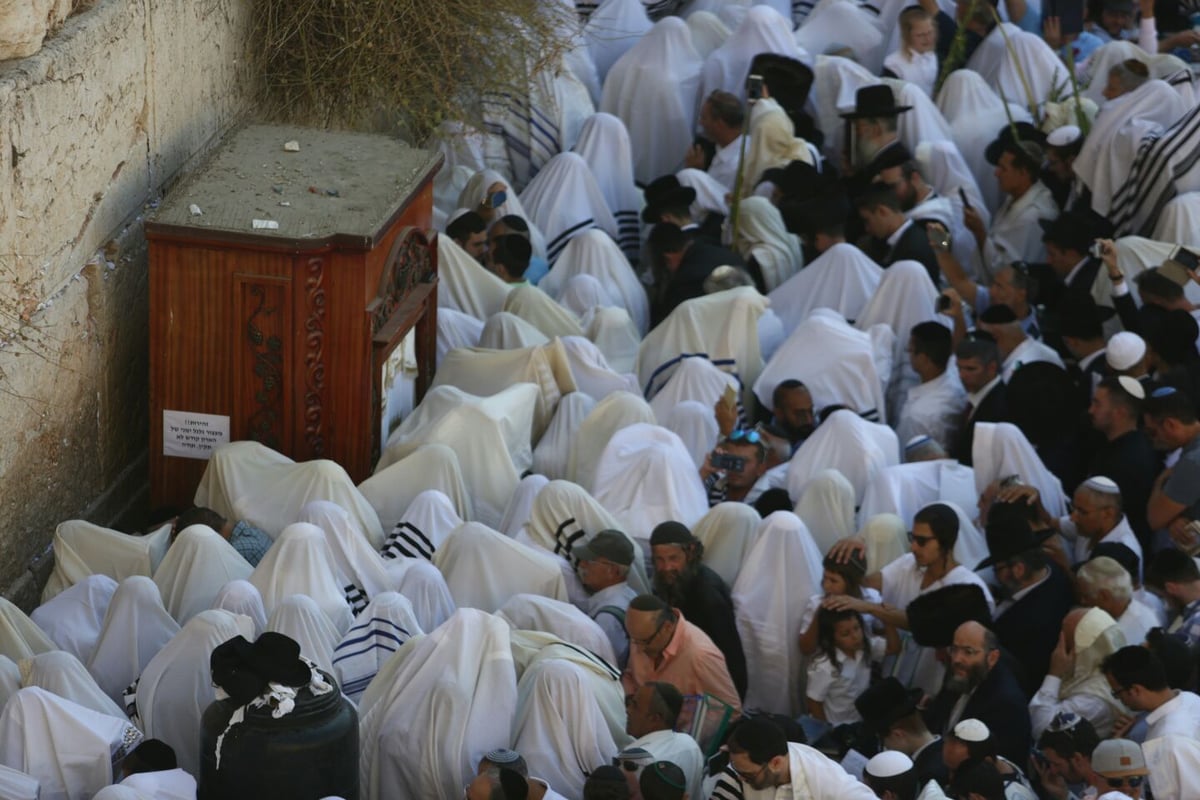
[935,405]
[603,568]
[1097,517]
[652,712]
[1015,234]
[763,759]
[1138,679]
[721,119]
[1016,347]
[1104,583]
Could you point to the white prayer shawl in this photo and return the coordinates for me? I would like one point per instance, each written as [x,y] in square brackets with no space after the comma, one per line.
[423,585]
[298,617]
[66,748]
[464,285]
[168,784]
[393,487]
[521,504]
[531,612]
[592,373]
[16,785]
[773,144]
[1000,449]
[241,597]
[594,253]
[484,568]
[558,726]
[905,489]
[581,295]
[383,626]
[541,311]
[836,82]
[426,523]
[1103,59]
[462,147]
[971,547]
[946,170]
[176,686]
[764,30]
[618,410]
[923,122]
[728,532]
[708,32]
[135,628]
[934,409]
[552,456]
[817,777]
[905,298]
[782,569]
[82,549]
[248,481]
[827,509]
[838,364]
[490,435]
[579,62]
[1015,234]
[762,236]
[612,29]
[886,536]
[1174,765]
[64,675]
[847,24]
[1180,221]
[645,476]
[507,331]
[919,69]
[654,88]
[196,567]
[474,194]
[681,750]
[710,194]
[355,560]
[696,426]
[722,327]
[842,278]
[456,329]
[565,517]
[1164,168]
[565,200]
[614,332]
[695,379]
[302,563]
[10,679]
[997,57]
[19,636]
[604,145]
[1109,150]
[436,707]
[485,373]
[73,618]
[848,443]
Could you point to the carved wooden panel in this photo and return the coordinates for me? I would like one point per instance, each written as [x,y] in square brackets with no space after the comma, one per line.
[262,358]
[314,356]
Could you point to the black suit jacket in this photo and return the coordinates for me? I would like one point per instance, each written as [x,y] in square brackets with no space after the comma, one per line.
[997,702]
[687,282]
[708,604]
[1029,629]
[992,408]
[913,245]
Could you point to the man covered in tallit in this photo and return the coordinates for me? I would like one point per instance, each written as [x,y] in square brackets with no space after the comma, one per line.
[1076,682]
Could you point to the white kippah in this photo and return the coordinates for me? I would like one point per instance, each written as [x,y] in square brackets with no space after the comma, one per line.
[1124,350]
[1133,386]
[1061,137]
[1114,796]
[1102,485]
[889,764]
[971,730]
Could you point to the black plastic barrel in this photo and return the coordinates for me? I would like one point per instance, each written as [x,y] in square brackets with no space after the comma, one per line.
[308,754]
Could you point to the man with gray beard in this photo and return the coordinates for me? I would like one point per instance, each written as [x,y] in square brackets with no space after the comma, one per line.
[979,685]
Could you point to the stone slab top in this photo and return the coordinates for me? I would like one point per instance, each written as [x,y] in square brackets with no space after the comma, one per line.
[337,185]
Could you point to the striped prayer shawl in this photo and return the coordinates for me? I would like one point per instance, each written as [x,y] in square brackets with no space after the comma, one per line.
[531,136]
[555,246]
[662,374]
[629,234]
[729,786]
[405,541]
[356,598]
[364,647]
[1163,168]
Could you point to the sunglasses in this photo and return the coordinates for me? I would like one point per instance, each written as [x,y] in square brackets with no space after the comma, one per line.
[751,436]
[1132,781]
[626,764]
[920,540]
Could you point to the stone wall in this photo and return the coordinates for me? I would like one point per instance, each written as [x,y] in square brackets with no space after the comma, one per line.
[93,127]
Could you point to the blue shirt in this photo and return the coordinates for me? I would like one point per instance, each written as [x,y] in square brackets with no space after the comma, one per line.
[250,542]
[537,269]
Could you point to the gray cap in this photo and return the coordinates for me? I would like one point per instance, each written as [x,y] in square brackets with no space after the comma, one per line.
[609,545]
[1118,758]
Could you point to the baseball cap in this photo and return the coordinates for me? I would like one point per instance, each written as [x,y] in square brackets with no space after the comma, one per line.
[609,545]
[1118,758]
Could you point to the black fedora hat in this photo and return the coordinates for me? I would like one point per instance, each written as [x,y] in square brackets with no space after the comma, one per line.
[1010,537]
[789,81]
[664,192]
[874,101]
[934,616]
[243,669]
[278,658]
[884,703]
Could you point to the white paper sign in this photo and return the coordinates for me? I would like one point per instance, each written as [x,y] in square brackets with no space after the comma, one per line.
[187,434]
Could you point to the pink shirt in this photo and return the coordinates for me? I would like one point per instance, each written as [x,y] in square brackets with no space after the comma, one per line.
[690,662]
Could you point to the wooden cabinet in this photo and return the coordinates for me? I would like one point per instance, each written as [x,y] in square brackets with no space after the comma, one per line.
[281,284]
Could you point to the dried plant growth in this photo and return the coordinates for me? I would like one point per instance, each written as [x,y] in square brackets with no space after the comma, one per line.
[404,65]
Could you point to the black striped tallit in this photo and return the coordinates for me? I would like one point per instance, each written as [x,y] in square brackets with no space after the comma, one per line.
[405,541]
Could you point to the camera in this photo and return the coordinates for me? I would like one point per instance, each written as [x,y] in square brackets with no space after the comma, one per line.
[754,84]
[727,462]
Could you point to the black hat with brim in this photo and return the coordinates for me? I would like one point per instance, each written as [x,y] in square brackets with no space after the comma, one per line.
[677,196]
[871,102]
[1009,539]
[934,616]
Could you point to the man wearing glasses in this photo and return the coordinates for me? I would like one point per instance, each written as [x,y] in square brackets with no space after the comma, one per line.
[730,471]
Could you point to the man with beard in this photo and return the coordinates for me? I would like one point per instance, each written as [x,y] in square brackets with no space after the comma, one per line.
[763,759]
[980,686]
[693,588]
[792,406]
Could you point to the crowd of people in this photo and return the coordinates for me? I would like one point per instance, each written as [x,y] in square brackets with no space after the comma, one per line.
[816,415]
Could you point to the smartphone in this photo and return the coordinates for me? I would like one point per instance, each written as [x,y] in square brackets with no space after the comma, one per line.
[727,462]
[754,84]
[1096,250]
[1186,257]
[963,196]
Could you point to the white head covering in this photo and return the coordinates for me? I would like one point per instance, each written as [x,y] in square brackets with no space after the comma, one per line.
[521,504]
[710,193]
[847,24]
[564,199]
[464,285]
[423,585]
[353,556]
[827,508]
[10,679]
[435,708]
[762,236]
[456,329]
[484,568]
[473,194]
[73,618]
[1000,450]
[923,122]
[708,31]
[944,167]
[245,480]
[16,785]
[596,254]
[696,426]
[842,278]
[906,488]
[593,375]
[728,532]
[971,546]
[997,58]
[425,525]
[1180,221]
[558,726]
[654,88]
[773,143]
[82,549]
[394,486]
[531,612]
[604,145]
[64,675]
[1103,59]
[504,330]
[693,379]
[611,30]
[298,617]
[176,686]
[388,622]
[614,332]
[67,748]
[764,30]
[848,443]
[301,563]
[135,628]
[552,456]
[886,536]
[782,569]
[19,636]
[242,597]
[837,362]
[542,312]
[581,295]
[618,410]
[196,567]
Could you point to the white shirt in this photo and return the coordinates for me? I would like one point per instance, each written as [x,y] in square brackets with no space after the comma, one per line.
[902,581]
[1027,352]
[919,68]
[550,793]
[1179,716]
[895,237]
[681,750]
[814,603]
[815,777]
[836,689]
[1046,703]
[1015,233]
[1136,621]
[723,168]
[1082,546]
[933,409]
[616,596]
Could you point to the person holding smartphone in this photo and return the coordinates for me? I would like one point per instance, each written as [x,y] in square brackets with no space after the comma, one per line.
[730,471]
